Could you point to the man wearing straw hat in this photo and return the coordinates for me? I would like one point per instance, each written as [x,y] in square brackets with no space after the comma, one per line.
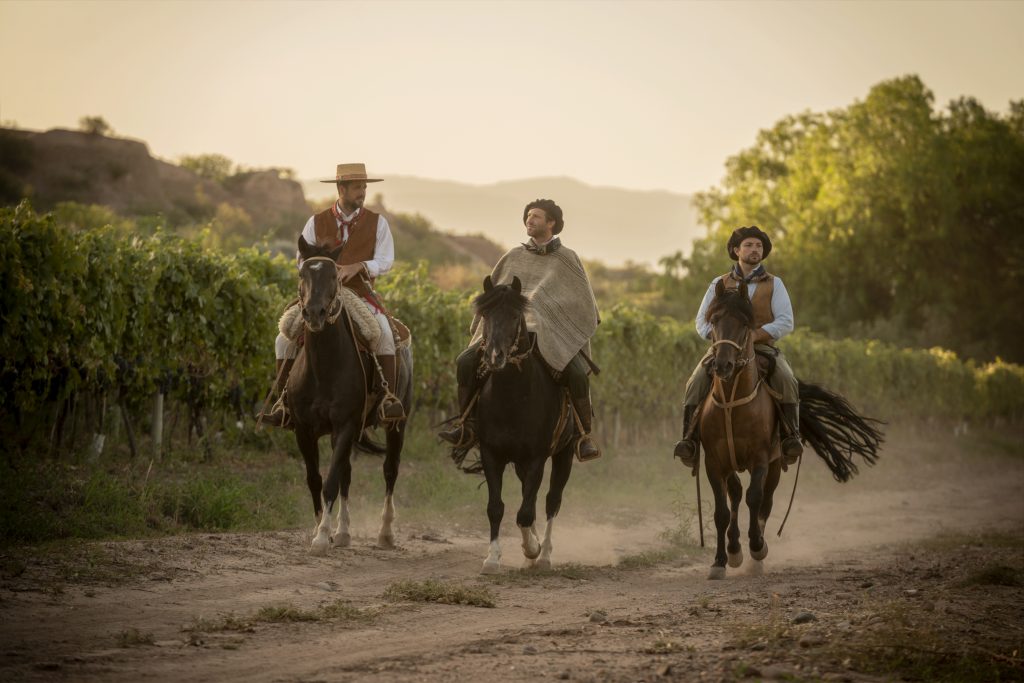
[369,253]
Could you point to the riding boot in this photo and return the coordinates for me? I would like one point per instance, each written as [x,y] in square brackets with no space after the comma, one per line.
[686,447]
[462,433]
[276,415]
[586,449]
[791,446]
[391,409]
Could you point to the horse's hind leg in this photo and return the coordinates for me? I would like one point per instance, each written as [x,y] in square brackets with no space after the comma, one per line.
[530,477]
[493,471]
[396,438]
[561,467]
[735,550]
[755,496]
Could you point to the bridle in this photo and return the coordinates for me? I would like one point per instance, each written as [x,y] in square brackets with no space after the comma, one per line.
[337,305]
[741,362]
[513,358]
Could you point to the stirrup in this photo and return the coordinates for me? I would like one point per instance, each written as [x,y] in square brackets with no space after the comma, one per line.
[592,455]
[686,451]
[460,435]
[792,449]
[390,410]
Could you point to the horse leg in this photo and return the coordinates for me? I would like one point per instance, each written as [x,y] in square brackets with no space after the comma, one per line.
[561,467]
[493,471]
[527,515]
[722,517]
[735,550]
[311,456]
[755,494]
[396,438]
[339,480]
[770,484]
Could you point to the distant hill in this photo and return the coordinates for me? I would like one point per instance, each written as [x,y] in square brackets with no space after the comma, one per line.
[64,165]
[606,224]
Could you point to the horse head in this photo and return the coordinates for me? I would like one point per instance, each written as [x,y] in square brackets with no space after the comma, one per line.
[319,288]
[732,317]
[502,310]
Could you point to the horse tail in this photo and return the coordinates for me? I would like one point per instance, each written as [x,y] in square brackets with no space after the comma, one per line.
[836,431]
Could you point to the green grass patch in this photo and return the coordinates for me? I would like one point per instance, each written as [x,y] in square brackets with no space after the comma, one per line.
[995,575]
[133,637]
[570,571]
[440,592]
[338,610]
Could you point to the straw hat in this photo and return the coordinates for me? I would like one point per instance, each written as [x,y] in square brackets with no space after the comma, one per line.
[348,172]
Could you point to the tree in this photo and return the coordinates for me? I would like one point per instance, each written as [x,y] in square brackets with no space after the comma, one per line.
[890,219]
[216,167]
[95,125]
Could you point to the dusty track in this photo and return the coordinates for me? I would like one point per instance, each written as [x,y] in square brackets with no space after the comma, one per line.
[857,557]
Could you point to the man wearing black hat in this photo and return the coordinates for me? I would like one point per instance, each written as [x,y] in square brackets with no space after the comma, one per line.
[562,313]
[773,319]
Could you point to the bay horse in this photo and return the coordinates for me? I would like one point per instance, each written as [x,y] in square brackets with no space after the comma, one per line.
[521,419]
[739,431]
[325,394]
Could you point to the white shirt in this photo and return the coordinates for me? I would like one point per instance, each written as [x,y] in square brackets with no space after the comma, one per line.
[383,252]
[782,309]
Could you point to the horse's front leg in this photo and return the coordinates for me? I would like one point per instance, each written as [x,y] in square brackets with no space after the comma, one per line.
[735,550]
[339,478]
[531,477]
[755,496]
[561,466]
[722,517]
[493,471]
[395,438]
[307,443]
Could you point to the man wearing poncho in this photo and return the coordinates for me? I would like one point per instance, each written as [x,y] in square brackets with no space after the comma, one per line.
[562,313]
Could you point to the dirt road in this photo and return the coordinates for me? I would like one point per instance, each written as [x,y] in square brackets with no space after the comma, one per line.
[915,569]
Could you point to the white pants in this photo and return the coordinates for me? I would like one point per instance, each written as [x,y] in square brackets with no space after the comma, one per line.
[283,348]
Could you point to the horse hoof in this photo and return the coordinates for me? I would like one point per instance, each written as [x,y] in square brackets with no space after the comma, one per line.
[491,568]
[716,573]
[735,560]
[319,546]
[386,541]
[755,568]
[528,564]
[341,540]
[542,564]
[759,554]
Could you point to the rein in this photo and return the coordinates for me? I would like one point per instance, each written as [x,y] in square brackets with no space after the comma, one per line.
[728,405]
[337,305]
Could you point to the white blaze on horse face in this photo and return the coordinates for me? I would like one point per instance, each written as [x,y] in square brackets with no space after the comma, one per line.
[316,266]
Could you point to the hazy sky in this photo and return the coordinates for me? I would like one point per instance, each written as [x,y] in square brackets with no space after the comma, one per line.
[639,95]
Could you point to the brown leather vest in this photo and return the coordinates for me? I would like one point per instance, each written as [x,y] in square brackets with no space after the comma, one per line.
[762,299]
[361,245]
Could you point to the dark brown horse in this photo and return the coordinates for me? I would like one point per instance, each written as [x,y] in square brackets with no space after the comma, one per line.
[326,393]
[738,427]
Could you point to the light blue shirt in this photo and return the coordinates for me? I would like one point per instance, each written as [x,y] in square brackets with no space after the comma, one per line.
[782,309]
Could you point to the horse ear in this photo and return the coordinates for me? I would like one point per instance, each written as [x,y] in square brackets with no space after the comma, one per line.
[517,286]
[719,288]
[305,250]
[488,285]
[333,255]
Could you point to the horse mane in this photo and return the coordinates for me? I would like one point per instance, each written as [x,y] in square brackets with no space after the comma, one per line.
[500,297]
[731,301]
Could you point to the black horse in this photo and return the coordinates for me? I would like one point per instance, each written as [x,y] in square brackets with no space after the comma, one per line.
[326,393]
[521,419]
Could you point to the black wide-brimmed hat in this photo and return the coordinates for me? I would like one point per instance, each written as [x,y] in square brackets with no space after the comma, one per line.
[740,234]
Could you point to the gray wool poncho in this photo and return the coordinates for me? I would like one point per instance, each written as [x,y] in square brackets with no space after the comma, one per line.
[562,310]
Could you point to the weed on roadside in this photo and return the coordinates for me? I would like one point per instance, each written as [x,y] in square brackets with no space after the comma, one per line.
[133,637]
[439,592]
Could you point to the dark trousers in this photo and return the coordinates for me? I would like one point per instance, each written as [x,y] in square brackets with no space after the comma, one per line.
[574,377]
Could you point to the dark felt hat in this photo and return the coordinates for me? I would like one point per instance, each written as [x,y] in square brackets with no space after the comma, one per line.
[740,234]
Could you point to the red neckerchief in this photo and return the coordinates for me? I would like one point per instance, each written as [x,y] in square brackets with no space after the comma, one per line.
[345,226]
